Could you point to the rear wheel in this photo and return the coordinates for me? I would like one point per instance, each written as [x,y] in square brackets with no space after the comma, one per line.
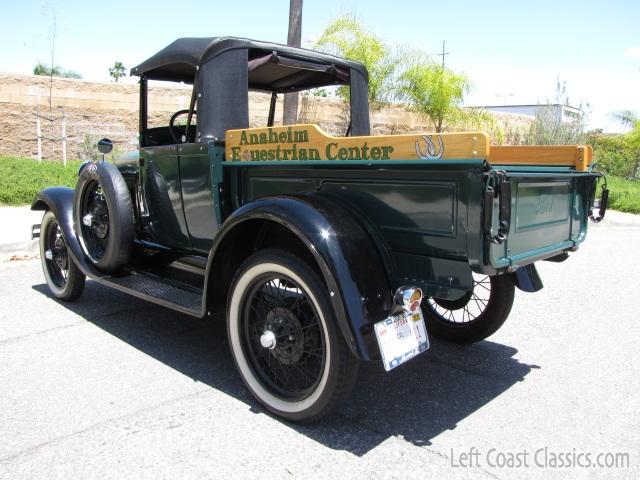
[475,316]
[284,338]
[64,279]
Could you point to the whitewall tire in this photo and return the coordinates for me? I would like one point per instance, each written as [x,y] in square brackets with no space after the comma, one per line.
[284,338]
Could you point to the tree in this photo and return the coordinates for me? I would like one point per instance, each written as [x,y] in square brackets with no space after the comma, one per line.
[436,93]
[117,71]
[627,118]
[44,70]
[611,154]
[57,71]
[346,38]
[631,139]
[550,127]
[290,106]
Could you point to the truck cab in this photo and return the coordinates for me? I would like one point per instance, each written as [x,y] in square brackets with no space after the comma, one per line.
[174,169]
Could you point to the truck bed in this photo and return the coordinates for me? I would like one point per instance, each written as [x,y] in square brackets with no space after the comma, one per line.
[436,202]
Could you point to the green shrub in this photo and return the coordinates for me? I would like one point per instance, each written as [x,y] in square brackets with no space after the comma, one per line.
[613,155]
[624,194]
[87,149]
[22,178]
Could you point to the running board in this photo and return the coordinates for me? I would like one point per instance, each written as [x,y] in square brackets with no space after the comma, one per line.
[155,289]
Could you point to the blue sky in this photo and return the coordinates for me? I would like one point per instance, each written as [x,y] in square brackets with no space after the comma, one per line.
[512,51]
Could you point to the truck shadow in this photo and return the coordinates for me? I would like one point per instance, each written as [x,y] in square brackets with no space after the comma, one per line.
[418,401]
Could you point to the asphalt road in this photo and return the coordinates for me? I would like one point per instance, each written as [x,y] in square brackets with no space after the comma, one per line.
[112,387]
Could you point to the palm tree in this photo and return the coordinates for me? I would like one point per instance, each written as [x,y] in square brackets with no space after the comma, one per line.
[117,70]
[627,118]
[434,92]
[290,107]
[347,38]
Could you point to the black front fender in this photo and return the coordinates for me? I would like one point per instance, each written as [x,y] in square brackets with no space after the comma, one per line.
[60,201]
[351,262]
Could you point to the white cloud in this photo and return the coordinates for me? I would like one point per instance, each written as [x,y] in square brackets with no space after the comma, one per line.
[633,52]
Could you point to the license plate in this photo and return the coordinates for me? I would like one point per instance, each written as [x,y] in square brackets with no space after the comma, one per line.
[401,337]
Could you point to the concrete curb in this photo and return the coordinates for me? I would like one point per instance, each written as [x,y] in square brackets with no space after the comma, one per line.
[15,231]
[618,219]
[20,251]
[32,247]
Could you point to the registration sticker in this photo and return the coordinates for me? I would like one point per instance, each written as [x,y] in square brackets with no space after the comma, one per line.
[401,337]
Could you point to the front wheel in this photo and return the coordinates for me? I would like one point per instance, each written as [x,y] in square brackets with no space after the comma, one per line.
[284,338]
[475,316]
[64,278]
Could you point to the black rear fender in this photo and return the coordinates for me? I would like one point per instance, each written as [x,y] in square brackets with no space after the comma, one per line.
[333,240]
[527,279]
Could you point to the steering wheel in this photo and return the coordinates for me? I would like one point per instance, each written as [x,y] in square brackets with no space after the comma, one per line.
[174,130]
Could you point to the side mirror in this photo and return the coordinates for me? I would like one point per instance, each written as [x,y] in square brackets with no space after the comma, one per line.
[105,146]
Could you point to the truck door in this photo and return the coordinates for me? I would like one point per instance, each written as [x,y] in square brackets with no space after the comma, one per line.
[160,177]
[195,176]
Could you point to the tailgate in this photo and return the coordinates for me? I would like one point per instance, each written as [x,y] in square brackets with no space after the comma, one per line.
[546,214]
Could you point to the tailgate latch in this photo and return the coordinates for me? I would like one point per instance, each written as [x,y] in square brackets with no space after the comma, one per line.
[497,186]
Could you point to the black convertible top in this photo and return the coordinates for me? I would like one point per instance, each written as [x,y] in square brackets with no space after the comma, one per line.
[271,66]
[224,69]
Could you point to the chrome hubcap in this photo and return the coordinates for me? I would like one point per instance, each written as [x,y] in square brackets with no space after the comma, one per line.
[268,340]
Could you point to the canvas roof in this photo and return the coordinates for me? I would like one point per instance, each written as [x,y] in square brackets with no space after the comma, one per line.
[271,66]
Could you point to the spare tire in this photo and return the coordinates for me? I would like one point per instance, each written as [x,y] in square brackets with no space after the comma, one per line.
[103,216]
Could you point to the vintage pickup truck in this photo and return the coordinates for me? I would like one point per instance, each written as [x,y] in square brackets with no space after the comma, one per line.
[324,251]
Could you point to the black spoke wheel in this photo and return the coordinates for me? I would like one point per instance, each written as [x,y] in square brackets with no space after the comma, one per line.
[476,315]
[278,312]
[94,220]
[64,279]
[284,339]
[103,216]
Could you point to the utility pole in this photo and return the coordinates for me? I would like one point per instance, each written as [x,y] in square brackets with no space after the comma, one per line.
[290,107]
[443,54]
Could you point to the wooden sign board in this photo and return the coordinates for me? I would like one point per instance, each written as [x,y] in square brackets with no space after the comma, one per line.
[308,142]
[579,157]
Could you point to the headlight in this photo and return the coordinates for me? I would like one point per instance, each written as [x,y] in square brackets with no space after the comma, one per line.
[83,166]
